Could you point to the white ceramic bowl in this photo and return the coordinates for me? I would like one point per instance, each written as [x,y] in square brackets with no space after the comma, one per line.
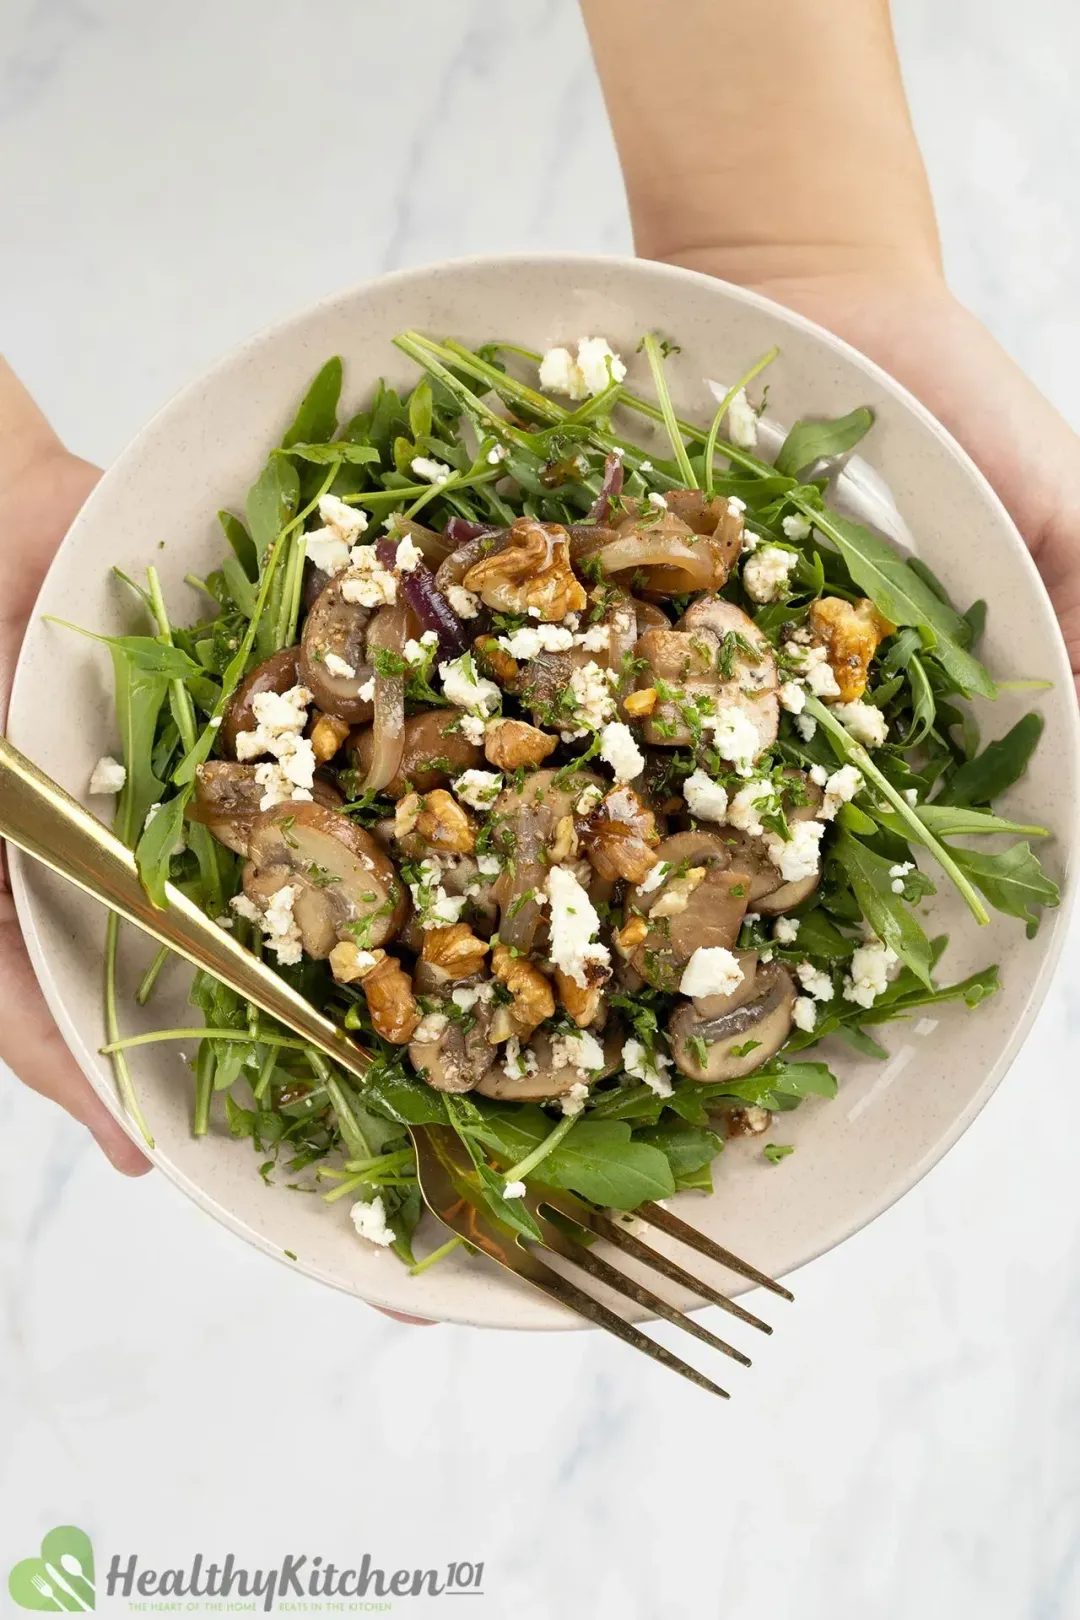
[892,1120]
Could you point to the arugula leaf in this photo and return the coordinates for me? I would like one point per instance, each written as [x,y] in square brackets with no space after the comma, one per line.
[689,1150]
[598,1158]
[775,1151]
[889,917]
[271,501]
[141,652]
[949,821]
[153,853]
[810,442]
[322,455]
[241,542]
[390,1090]
[898,1001]
[421,409]
[1012,881]
[140,694]
[819,937]
[316,417]
[1001,763]
[923,704]
[898,592]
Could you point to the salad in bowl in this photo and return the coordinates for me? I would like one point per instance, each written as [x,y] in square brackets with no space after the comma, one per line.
[591,788]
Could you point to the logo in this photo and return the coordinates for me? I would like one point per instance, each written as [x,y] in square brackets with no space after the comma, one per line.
[61,1579]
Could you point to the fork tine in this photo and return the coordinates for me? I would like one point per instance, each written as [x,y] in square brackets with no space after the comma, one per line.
[567,1293]
[572,1249]
[671,1224]
[613,1233]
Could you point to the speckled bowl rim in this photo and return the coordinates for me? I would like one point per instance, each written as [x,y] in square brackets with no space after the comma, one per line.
[901,1183]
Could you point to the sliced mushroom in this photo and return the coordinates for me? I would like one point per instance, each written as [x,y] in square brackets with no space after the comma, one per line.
[434,751]
[348,886]
[715,893]
[753,684]
[455,1056]
[227,800]
[769,893]
[686,663]
[526,823]
[278,673]
[761,1023]
[337,627]
[546,1081]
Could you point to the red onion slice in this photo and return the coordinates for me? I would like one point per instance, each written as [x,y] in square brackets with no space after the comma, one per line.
[417,587]
[610,489]
[388,632]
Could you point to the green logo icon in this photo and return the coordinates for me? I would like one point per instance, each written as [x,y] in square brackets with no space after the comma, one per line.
[61,1579]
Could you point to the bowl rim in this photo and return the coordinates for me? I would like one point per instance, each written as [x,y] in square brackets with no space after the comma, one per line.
[19,865]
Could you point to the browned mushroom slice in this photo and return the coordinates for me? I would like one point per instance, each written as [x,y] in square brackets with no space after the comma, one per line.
[534,826]
[452,1054]
[753,684]
[548,1079]
[348,888]
[769,893]
[337,630]
[275,674]
[711,1046]
[434,751]
[687,664]
[701,901]
[228,798]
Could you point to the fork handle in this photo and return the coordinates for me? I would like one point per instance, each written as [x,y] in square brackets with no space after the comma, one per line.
[38,817]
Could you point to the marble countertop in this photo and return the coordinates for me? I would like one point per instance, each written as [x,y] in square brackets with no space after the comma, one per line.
[173,178]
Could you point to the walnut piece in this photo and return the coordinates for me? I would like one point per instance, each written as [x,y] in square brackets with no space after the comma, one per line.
[851,633]
[349,963]
[532,998]
[391,1003]
[512,743]
[327,735]
[456,950]
[631,934]
[532,571]
[564,845]
[639,703]
[582,1005]
[495,660]
[620,837]
[750,1121]
[438,819]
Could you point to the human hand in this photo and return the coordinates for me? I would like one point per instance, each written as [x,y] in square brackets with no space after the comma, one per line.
[914,328]
[42,486]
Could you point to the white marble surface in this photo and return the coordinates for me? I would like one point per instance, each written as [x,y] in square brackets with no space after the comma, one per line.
[170,179]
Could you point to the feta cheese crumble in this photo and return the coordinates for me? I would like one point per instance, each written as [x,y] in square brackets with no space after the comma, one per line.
[328,548]
[619,750]
[280,720]
[574,927]
[898,873]
[765,575]
[408,555]
[705,799]
[792,697]
[575,1098]
[735,737]
[589,799]
[370,1222]
[840,788]
[368,583]
[280,926]
[434,907]
[472,728]
[596,365]
[347,522]
[466,604]
[863,721]
[534,638]
[108,776]
[804,1013]
[796,527]
[436,472]
[800,855]
[806,726]
[339,666]
[514,1189]
[712,971]
[742,421]
[786,930]
[478,789]
[745,807]
[467,690]
[815,981]
[593,700]
[869,975]
[658,501]
[579,1050]
[650,1067]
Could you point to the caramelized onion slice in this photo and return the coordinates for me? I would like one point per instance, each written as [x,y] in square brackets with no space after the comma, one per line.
[388,632]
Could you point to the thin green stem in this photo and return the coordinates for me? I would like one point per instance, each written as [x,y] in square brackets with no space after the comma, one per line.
[150,977]
[156,1035]
[857,755]
[436,1255]
[198,584]
[520,1170]
[205,1066]
[667,410]
[348,1124]
[724,407]
[112,1029]
[266,1071]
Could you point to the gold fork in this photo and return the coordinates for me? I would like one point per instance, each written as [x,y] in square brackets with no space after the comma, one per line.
[44,821]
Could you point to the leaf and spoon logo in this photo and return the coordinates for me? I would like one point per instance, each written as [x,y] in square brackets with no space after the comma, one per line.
[61,1579]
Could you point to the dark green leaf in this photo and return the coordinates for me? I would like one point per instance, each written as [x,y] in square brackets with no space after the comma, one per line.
[1012,881]
[140,694]
[887,913]
[818,937]
[1000,764]
[902,596]
[420,410]
[810,442]
[271,503]
[689,1150]
[241,542]
[322,455]
[316,419]
[155,847]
